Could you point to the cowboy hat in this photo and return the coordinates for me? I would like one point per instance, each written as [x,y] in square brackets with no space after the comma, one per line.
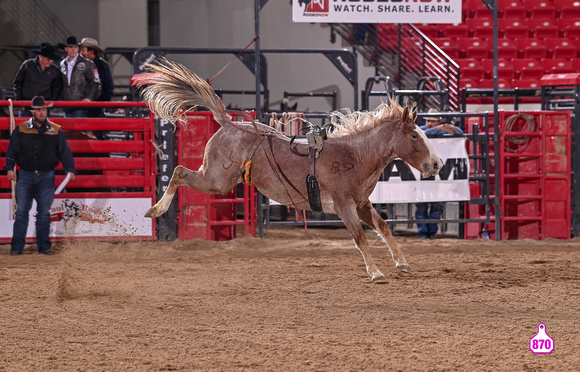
[39,102]
[71,41]
[92,43]
[48,50]
[433,118]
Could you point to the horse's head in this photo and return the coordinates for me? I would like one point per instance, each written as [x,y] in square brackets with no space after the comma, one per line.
[414,147]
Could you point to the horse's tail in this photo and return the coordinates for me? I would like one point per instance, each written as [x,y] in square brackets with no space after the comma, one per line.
[172,90]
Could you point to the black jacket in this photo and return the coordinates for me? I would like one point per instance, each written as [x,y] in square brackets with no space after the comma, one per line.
[39,150]
[84,82]
[31,81]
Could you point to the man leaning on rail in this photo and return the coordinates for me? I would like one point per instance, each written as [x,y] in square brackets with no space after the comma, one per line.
[37,146]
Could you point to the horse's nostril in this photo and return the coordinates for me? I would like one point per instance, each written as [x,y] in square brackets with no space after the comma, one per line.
[436,165]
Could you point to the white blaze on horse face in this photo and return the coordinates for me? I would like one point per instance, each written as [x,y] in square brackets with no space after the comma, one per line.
[432,164]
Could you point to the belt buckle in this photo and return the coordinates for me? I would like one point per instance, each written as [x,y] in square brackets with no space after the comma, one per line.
[37,173]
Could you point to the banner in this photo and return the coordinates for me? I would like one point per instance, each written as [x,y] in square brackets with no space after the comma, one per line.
[404,184]
[88,217]
[376,11]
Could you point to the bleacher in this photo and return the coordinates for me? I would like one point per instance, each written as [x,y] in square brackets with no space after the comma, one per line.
[535,37]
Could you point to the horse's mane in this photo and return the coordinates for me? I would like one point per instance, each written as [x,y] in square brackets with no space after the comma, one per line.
[351,123]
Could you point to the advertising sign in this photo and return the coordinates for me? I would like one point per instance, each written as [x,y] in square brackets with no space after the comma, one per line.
[88,218]
[377,11]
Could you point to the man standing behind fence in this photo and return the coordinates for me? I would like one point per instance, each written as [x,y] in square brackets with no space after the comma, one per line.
[37,146]
[39,76]
[80,78]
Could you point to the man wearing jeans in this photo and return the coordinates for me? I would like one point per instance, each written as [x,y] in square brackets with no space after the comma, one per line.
[37,146]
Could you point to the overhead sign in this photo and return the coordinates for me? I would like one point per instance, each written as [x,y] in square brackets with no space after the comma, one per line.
[377,11]
[404,184]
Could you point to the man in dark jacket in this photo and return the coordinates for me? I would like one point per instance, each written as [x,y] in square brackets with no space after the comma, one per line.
[39,76]
[80,78]
[37,146]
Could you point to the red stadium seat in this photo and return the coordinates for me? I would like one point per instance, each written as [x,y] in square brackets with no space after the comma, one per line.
[430,30]
[488,84]
[506,48]
[527,84]
[556,66]
[540,9]
[448,45]
[567,8]
[454,30]
[511,9]
[542,28]
[561,47]
[476,9]
[575,62]
[471,68]
[468,84]
[528,68]
[513,28]
[569,27]
[505,69]
[473,48]
[531,48]
[480,27]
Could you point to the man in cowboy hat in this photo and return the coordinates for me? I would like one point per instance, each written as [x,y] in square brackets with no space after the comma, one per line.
[80,78]
[37,146]
[39,76]
[433,125]
[432,211]
[91,50]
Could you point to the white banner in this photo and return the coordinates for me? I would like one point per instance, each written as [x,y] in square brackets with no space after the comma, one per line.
[87,217]
[404,184]
[376,11]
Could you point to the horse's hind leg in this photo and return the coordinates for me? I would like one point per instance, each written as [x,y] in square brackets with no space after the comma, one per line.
[352,222]
[194,179]
[369,216]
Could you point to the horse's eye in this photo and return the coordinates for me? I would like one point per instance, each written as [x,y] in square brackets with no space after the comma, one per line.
[414,136]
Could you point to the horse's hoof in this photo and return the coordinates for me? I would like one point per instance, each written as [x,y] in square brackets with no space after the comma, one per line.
[151,213]
[404,267]
[379,279]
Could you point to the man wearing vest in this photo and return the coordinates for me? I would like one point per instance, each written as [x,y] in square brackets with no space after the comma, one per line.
[37,146]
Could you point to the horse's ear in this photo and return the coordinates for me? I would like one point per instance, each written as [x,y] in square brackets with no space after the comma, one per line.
[406,114]
[414,115]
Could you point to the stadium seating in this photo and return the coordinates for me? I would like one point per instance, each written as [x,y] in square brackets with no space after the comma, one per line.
[561,47]
[569,27]
[531,48]
[567,8]
[513,28]
[501,84]
[505,69]
[454,30]
[481,28]
[526,84]
[540,9]
[507,48]
[556,65]
[475,9]
[542,28]
[528,68]
[471,68]
[511,9]
[448,45]
[473,47]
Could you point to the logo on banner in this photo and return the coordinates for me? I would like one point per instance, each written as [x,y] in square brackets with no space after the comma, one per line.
[315,8]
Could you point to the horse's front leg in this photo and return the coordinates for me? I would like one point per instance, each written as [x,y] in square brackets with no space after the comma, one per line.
[349,216]
[370,216]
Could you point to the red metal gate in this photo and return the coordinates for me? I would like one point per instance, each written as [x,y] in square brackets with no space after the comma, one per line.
[201,215]
[534,176]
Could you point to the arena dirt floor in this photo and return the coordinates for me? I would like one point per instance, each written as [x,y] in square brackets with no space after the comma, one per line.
[290,302]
